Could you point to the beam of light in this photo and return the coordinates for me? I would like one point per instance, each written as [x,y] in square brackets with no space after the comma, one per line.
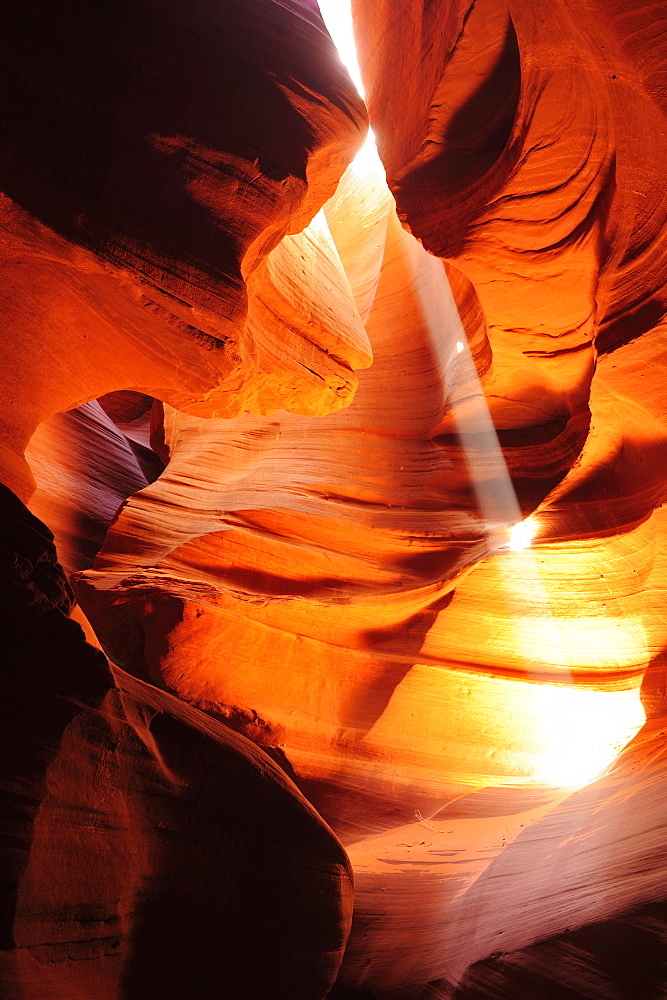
[583,732]
[522,534]
[578,732]
[474,425]
[359,210]
[337,15]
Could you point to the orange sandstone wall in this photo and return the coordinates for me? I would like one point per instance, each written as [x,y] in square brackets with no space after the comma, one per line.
[321,578]
[153,156]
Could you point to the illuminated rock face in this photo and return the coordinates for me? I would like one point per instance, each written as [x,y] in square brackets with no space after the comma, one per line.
[149,166]
[145,845]
[85,468]
[153,158]
[342,552]
[518,162]
[357,593]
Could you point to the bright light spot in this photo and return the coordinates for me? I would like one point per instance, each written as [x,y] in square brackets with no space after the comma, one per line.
[588,643]
[583,731]
[522,534]
[576,733]
[337,15]
[367,161]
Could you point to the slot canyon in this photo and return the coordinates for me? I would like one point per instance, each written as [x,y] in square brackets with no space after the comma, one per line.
[333,475]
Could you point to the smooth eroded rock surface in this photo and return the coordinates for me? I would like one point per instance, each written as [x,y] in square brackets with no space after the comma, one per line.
[147,850]
[432,592]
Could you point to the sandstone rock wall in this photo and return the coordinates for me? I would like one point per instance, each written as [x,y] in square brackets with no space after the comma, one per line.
[320,603]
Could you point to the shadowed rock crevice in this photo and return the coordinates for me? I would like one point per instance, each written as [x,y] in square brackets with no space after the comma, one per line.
[473,112]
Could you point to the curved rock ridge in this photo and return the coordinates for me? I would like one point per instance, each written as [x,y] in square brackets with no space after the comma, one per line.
[502,867]
[611,958]
[340,589]
[323,542]
[132,413]
[517,164]
[531,159]
[460,718]
[146,848]
[519,160]
[85,468]
[317,578]
[475,884]
[151,163]
[349,586]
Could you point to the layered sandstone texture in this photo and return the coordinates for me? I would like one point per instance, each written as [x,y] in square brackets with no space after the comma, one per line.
[155,159]
[152,160]
[425,600]
[347,591]
[147,850]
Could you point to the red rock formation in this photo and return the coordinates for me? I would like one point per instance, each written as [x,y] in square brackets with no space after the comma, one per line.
[151,162]
[519,159]
[84,468]
[322,621]
[314,576]
[532,160]
[147,849]
[152,159]
[342,589]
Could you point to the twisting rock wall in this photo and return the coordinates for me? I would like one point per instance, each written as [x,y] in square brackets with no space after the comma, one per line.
[349,585]
[323,584]
[153,156]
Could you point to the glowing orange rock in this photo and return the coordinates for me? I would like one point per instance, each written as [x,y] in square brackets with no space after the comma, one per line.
[356,592]
[154,156]
[320,583]
[150,165]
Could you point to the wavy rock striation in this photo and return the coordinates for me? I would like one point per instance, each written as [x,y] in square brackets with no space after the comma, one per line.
[135,858]
[84,467]
[340,589]
[151,163]
[153,158]
[349,586]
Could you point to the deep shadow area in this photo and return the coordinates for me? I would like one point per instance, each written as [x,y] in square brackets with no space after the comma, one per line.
[620,959]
